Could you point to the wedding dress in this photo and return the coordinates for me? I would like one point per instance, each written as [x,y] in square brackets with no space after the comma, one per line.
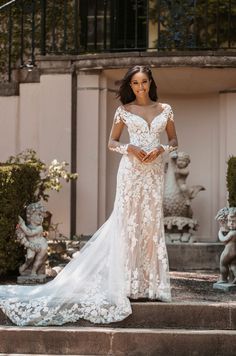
[126,258]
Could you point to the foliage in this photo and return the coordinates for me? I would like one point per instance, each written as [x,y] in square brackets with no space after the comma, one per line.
[231,181]
[50,176]
[59,32]
[18,183]
[190,24]
[23,179]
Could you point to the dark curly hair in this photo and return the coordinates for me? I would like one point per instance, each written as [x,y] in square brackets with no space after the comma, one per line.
[125,92]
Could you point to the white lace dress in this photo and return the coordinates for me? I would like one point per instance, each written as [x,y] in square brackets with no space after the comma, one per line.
[125,258]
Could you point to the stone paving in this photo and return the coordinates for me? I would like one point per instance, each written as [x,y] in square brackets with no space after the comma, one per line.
[197,287]
[188,286]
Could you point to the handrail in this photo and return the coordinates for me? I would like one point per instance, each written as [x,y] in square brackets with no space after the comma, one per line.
[7,4]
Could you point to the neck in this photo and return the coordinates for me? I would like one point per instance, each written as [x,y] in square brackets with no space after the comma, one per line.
[143,101]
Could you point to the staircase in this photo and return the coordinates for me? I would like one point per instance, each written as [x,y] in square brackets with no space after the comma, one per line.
[197,328]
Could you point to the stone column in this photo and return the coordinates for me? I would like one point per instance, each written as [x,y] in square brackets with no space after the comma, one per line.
[91,118]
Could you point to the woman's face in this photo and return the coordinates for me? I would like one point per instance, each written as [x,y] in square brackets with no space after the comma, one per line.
[140,84]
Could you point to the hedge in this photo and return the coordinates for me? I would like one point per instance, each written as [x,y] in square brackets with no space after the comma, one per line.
[231,181]
[18,183]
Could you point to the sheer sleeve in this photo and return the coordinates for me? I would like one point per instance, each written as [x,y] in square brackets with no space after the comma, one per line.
[170,116]
[172,146]
[120,115]
[118,122]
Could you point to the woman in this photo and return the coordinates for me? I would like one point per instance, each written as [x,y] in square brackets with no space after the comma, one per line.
[126,258]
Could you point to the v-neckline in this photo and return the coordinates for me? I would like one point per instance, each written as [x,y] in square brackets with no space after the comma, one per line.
[149,125]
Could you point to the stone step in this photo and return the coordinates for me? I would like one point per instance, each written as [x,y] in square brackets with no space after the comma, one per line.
[116,341]
[195,315]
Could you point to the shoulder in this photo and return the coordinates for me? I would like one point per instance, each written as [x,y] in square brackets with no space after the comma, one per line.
[166,106]
[119,114]
[168,111]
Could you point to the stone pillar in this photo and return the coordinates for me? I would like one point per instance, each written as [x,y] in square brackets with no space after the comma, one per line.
[227,141]
[103,139]
[91,108]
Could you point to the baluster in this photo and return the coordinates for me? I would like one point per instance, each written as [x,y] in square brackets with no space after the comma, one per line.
[32,62]
[43,28]
[9,41]
[76,27]
[105,25]
[95,24]
[65,27]
[229,24]
[158,24]
[22,34]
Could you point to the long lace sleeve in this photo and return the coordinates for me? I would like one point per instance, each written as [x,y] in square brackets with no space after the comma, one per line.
[118,124]
[173,145]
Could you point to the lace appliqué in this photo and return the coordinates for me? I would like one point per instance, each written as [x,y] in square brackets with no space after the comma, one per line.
[169,148]
[123,149]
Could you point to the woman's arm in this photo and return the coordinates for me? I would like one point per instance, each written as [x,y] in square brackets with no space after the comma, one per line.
[113,143]
[172,136]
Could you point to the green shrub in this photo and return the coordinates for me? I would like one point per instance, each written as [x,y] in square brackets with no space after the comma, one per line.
[18,183]
[231,181]
[24,179]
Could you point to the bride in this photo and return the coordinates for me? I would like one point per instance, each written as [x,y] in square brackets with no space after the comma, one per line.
[126,258]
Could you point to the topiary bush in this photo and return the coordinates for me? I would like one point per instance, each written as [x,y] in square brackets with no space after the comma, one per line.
[231,181]
[18,183]
[24,179]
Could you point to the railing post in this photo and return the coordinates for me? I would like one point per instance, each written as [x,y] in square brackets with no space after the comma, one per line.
[33,34]
[65,27]
[43,28]
[158,24]
[76,26]
[147,24]
[9,41]
[22,34]
[105,26]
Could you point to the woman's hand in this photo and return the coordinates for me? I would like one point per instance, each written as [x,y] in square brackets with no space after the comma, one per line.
[137,152]
[153,154]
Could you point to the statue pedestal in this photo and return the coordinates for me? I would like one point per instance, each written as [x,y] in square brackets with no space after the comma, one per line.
[39,279]
[225,287]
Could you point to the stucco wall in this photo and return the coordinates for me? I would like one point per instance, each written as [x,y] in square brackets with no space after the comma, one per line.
[9,126]
[40,119]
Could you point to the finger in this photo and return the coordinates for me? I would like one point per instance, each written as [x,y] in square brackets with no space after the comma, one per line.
[146,159]
[148,155]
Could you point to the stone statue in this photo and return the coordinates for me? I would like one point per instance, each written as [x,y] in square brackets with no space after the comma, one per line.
[178,215]
[31,236]
[227,235]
